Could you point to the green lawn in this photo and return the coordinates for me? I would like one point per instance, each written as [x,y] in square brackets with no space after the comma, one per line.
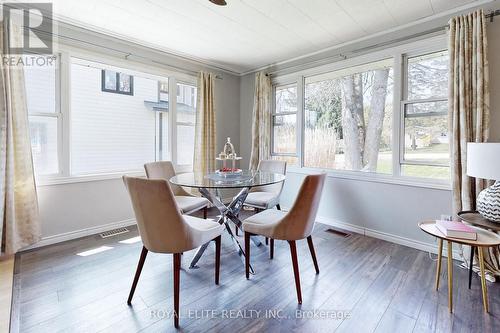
[435,148]
[384,164]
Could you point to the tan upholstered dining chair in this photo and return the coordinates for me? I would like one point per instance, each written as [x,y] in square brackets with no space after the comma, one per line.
[164,230]
[187,203]
[295,225]
[266,197]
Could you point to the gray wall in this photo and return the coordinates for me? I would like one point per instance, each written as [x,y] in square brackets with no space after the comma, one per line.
[383,210]
[76,209]
[246,109]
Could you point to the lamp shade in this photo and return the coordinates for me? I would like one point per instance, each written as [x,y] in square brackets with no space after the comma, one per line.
[483,160]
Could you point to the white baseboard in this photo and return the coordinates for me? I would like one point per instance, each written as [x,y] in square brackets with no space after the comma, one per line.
[416,244]
[81,233]
[413,243]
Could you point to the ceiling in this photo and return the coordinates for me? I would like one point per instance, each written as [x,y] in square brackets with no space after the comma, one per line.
[246,34]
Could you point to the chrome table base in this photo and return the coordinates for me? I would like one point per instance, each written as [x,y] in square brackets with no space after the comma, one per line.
[228,213]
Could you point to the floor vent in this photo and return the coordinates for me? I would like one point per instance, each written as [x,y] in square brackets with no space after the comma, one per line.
[113,232]
[338,232]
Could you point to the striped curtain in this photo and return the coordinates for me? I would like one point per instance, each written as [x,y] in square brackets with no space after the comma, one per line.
[204,140]
[261,122]
[20,225]
[469,114]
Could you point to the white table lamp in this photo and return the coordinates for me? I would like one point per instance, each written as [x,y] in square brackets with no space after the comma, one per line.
[483,161]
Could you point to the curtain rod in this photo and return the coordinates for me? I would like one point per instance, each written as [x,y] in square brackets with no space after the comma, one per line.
[491,15]
[343,56]
[126,55]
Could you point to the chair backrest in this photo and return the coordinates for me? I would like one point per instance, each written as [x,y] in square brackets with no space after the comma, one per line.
[299,221]
[159,220]
[274,167]
[163,170]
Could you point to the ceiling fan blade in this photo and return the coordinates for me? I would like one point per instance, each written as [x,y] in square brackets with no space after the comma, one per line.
[218,2]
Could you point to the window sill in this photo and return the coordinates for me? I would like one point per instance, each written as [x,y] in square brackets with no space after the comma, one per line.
[376,178]
[351,175]
[61,180]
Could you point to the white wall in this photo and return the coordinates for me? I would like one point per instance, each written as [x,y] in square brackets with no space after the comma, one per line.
[76,209]
[382,210]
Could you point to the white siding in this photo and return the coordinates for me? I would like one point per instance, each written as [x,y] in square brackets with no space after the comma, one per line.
[110,132]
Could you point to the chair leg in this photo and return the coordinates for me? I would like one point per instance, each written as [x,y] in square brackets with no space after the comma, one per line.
[247,254]
[271,249]
[278,207]
[293,251]
[177,273]
[236,231]
[313,253]
[205,211]
[267,241]
[217,259]
[144,253]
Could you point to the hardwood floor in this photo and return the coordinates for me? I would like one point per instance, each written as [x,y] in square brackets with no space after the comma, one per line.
[369,285]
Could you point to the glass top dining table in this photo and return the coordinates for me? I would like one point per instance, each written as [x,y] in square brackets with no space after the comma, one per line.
[208,185]
[247,178]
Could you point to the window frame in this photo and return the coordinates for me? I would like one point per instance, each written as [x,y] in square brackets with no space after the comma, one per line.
[405,101]
[426,45]
[176,123]
[275,114]
[117,85]
[63,95]
[57,114]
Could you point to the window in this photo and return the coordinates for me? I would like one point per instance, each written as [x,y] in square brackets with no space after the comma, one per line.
[284,124]
[44,117]
[116,82]
[384,113]
[348,119]
[425,113]
[163,91]
[162,152]
[79,129]
[186,118]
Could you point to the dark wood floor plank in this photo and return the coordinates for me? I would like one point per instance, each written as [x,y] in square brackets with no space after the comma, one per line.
[395,321]
[412,292]
[383,286]
[371,307]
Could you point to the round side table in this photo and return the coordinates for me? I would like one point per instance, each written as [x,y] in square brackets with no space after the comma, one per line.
[485,238]
[474,218]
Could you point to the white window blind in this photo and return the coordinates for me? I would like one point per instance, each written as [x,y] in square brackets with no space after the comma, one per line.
[111,132]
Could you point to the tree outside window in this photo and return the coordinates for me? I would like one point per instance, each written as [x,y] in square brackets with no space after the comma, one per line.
[348,117]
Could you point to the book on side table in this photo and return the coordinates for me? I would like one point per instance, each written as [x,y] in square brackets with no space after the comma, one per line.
[455,229]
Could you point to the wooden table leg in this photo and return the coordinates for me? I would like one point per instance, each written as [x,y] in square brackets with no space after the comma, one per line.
[440,254]
[483,279]
[450,276]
